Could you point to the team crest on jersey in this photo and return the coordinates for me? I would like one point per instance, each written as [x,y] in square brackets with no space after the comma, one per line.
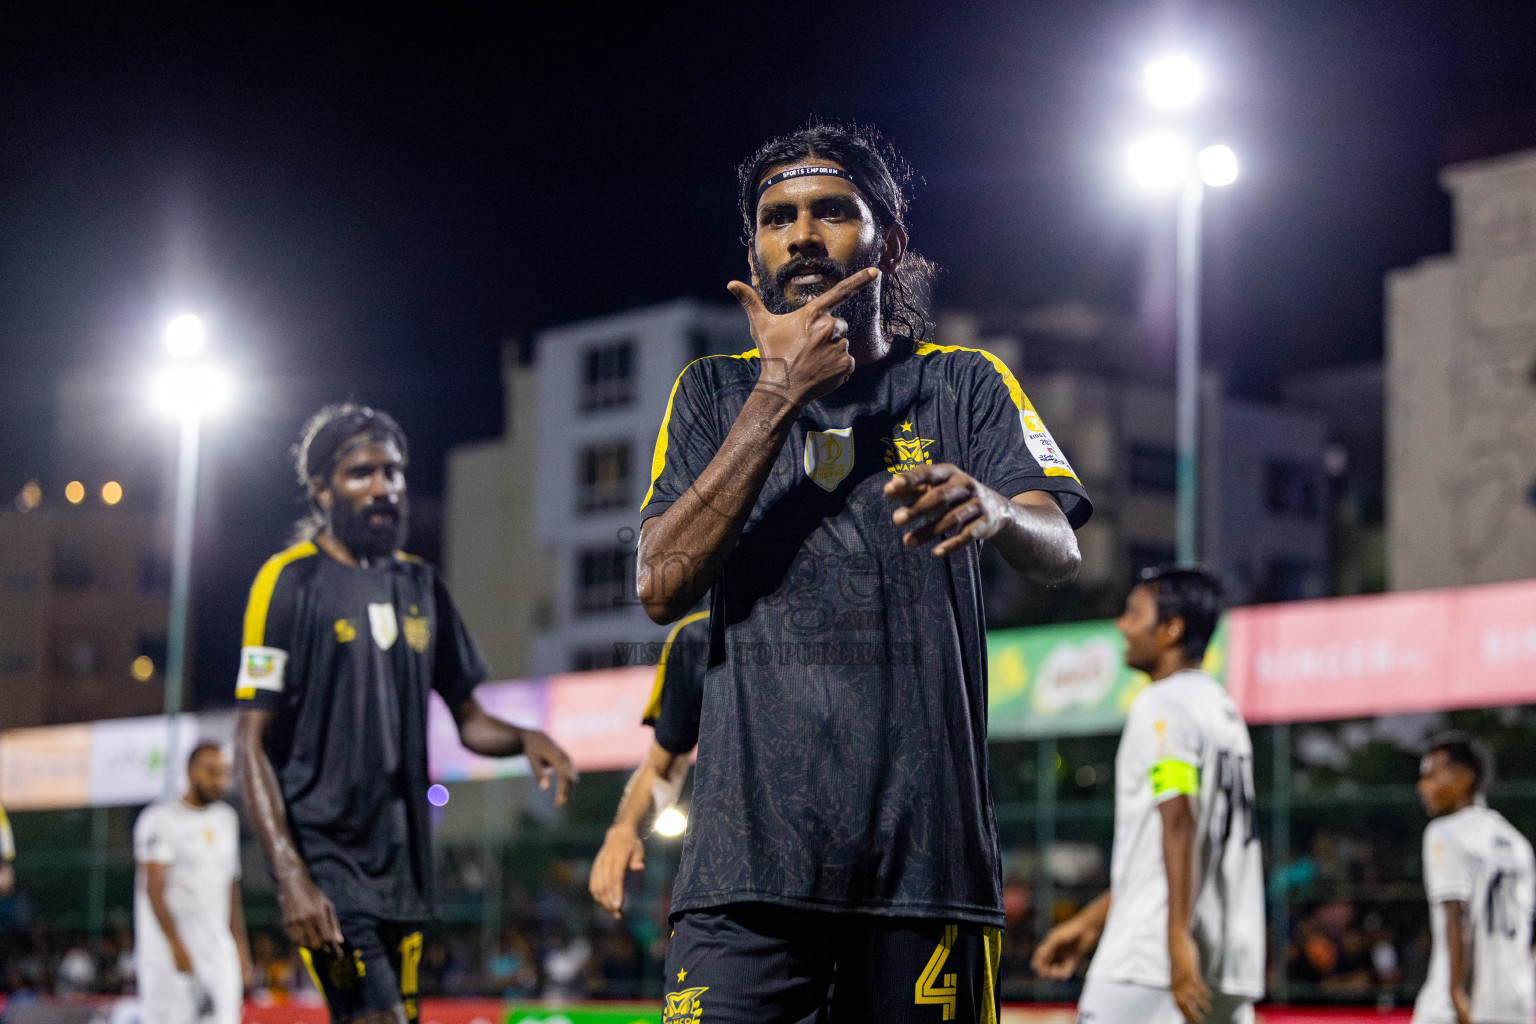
[417,633]
[684,1007]
[829,456]
[381,620]
[907,451]
[259,666]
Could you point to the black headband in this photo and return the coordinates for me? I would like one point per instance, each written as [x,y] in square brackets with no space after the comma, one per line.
[802,172]
[358,425]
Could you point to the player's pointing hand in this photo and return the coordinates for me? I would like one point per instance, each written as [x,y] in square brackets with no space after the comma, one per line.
[805,351]
[941,501]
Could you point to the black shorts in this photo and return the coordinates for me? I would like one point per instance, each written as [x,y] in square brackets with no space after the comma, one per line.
[759,963]
[375,972]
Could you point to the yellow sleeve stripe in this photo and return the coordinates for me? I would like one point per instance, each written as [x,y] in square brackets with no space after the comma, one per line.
[1175,777]
[261,592]
[653,706]
[1014,391]
[659,456]
[1020,399]
[7,840]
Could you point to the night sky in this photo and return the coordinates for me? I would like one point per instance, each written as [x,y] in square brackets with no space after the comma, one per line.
[364,204]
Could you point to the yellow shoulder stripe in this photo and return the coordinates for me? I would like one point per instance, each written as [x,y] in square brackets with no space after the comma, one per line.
[1015,392]
[653,706]
[261,591]
[1020,399]
[659,456]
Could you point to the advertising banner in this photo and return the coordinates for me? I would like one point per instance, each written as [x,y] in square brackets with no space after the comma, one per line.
[595,716]
[1067,680]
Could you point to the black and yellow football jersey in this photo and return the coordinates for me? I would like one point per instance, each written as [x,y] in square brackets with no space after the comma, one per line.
[344,658]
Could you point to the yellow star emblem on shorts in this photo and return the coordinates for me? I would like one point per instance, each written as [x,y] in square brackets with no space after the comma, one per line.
[907,427]
[682,975]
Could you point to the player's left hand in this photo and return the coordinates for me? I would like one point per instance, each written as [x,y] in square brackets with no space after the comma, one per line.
[1189,989]
[547,760]
[7,878]
[942,501]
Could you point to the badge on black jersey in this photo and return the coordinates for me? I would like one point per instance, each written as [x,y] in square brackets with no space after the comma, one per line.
[829,456]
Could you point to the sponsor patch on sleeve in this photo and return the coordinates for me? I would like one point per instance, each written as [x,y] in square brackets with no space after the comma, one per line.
[1043,446]
[261,668]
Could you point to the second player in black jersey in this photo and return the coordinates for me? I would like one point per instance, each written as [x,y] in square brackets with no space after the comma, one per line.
[345,637]
[831,490]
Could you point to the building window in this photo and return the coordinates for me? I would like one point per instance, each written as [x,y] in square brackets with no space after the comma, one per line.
[604,579]
[604,477]
[155,574]
[1293,490]
[1154,468]
[608,375]
[71,569]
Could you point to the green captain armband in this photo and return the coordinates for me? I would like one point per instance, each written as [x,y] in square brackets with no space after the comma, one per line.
[1174,777]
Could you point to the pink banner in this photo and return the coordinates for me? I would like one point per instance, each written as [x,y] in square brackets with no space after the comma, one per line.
[595,716]
[1427,650]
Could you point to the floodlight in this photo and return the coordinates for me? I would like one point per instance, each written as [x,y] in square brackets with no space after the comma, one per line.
[1173,82]
[1158,161]
[184,336]
[671,823]
[1218,165]
[191,390]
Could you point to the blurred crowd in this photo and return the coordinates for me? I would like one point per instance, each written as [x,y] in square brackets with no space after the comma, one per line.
[1356,932]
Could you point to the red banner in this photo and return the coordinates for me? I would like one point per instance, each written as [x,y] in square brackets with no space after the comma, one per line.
[1428,650]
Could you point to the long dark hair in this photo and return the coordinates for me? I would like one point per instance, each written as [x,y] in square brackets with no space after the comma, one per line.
[884,178]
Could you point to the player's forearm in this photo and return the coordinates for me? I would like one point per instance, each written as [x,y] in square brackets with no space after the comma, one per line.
[682,549]
[487,735]
[1178,862]
[263,798]
[1455,912]
[154,888]
[639,803]
[1093,916]
[1037,541]
[237,926]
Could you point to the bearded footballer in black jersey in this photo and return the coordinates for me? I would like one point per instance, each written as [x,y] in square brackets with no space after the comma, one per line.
[831,490]
[345,635]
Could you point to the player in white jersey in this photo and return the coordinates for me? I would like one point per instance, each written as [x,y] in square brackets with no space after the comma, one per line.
[1480,877]
[189,932]
[1180,933]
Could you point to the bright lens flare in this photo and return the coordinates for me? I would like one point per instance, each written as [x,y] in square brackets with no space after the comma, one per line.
[184,336]
[74,491]
[1158,161]
[111,492]
[1173,83]
[1218,165]
[191,390]
[437,795]
[671,822]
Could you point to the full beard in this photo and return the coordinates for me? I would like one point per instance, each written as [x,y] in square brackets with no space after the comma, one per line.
[861,309]
[365,539]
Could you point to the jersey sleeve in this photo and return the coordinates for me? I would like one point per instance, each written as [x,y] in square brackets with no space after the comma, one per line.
[458,666]
[1448,871]
[7,839]
[686,442]
[677,698]
[1171,739]
[1011,451]
[268,636]
[152,838]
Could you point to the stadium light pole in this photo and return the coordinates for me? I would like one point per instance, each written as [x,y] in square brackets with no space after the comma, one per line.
[189,389]
[1162,161]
